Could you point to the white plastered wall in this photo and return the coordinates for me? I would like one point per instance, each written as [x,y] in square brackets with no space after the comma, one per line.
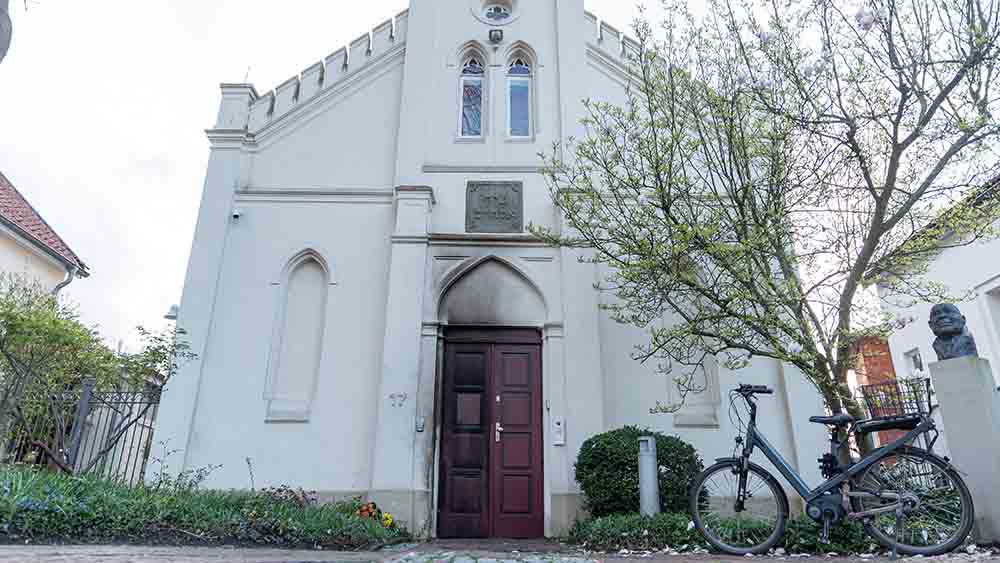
[314,180]
[973,268]
[17,256]
[333,444]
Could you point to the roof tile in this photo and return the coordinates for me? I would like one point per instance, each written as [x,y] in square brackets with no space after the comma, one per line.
[16,211]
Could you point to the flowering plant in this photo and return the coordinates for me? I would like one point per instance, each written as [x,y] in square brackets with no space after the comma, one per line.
[368,510]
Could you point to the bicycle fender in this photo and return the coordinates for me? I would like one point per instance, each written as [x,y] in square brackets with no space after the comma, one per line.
[749,463]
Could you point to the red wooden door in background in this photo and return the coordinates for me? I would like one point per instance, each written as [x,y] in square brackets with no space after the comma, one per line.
[491,440]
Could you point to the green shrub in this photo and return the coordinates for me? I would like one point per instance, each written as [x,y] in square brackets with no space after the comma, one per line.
[847,536]
[48,507]
[635,532]
[608,471]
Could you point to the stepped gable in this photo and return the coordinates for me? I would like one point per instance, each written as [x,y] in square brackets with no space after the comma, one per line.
[19,215]
[323,75]
[384,38]
[611,42]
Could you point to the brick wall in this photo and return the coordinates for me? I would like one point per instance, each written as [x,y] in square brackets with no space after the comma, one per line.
[875,366]
[874,361]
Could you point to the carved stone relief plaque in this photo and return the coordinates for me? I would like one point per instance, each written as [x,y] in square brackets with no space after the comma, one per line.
[494,207]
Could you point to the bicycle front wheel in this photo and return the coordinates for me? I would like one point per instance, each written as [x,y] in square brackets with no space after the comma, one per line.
[753,527]
[938,511]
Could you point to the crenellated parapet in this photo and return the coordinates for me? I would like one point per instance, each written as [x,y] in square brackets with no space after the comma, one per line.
[343,63]
[609,41]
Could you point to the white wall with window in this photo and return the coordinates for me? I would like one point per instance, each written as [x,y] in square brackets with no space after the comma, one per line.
[972,271]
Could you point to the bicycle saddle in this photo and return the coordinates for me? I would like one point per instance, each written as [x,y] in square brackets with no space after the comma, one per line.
[842,419]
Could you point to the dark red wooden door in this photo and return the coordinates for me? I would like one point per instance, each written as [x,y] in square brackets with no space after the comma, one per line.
[516,467]
[463,505]
[491,438]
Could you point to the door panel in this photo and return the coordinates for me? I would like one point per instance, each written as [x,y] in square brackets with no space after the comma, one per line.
[464,499]
[491,479]
[516,468]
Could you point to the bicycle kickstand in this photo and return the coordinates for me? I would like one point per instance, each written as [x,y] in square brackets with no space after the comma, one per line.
[898,532]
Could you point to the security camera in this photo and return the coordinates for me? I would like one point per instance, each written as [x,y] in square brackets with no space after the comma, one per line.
[237,213]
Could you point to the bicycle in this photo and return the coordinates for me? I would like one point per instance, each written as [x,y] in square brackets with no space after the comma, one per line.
[910,500]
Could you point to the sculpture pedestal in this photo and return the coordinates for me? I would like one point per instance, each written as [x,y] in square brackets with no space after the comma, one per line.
[970,410]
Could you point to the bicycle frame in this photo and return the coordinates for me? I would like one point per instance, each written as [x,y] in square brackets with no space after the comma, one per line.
[755,439]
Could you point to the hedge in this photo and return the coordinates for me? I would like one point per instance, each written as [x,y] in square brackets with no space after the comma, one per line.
[608,471]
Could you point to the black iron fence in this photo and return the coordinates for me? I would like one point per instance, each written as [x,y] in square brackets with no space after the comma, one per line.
[84,431]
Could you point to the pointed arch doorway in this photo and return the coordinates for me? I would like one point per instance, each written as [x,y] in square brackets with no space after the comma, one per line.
[491,475]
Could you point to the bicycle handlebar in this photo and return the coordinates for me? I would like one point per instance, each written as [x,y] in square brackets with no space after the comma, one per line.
[745,389]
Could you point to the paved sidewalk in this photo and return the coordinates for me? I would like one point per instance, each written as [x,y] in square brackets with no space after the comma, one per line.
[437,552]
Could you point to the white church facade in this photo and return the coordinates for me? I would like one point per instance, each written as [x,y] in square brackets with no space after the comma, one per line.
[371,316]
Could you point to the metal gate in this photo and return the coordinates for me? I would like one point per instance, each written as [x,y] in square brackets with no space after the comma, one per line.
[83,431]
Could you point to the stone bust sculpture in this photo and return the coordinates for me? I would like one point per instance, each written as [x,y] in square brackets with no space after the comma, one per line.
[953,337]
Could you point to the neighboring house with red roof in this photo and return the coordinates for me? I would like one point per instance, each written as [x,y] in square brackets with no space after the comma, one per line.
[29,245]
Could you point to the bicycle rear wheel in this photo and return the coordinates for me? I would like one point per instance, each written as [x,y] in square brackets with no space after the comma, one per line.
[939,512]
[754,527]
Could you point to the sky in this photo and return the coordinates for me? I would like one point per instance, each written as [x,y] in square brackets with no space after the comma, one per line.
[103,107]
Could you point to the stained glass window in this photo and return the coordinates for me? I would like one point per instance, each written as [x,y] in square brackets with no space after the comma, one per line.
[472,98]
[519,98]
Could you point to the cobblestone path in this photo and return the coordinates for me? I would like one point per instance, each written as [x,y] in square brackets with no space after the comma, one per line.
[438,552]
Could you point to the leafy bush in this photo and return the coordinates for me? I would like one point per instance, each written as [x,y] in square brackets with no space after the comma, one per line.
[608,471]
[847,536]
[635,532]
[47,507]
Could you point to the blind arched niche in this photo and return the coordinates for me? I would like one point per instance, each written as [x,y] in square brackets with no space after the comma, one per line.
[491,291]
[297,345]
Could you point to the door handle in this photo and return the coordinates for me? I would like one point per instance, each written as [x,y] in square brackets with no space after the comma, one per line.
[499,429]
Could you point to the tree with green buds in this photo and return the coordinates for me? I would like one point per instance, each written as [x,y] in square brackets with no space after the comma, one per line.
[767,159]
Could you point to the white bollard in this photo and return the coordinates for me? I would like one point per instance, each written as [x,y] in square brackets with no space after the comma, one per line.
[649,482]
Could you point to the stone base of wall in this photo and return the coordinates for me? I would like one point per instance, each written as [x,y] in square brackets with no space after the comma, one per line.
[415,509]
[567,508]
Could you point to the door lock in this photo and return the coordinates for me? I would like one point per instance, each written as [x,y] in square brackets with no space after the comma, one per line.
[499,429]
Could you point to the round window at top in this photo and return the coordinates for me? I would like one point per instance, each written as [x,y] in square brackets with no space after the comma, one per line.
[497,12]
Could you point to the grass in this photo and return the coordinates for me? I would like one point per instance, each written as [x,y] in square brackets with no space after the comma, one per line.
[44,507]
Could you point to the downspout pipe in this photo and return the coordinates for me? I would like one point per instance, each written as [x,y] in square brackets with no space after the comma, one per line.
[70,273]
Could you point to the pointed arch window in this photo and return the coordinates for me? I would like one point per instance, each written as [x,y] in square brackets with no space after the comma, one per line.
[519,93]
[472,80]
